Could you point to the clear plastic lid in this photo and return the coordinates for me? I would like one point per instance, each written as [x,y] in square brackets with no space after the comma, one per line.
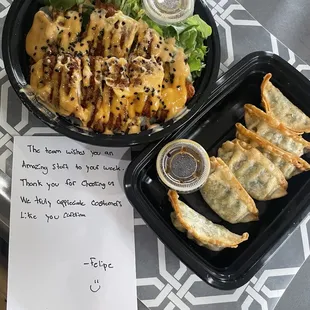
[183,165]
[166,12]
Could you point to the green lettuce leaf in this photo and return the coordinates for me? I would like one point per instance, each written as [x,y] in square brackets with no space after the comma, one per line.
[174,30]
[201,25]
[195,58]
[132,8]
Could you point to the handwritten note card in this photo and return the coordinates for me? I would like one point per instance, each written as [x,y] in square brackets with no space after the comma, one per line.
[71,238]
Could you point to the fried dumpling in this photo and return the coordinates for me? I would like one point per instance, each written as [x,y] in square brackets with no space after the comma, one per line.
[288,163]
[277,105]
[226,196]
[256,173]
[272,130]
[205,233]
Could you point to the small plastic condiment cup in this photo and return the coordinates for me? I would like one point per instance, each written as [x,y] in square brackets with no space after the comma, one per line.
[183,165]
[167,12]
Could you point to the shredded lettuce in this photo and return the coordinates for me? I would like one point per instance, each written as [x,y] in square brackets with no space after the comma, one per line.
[189,34]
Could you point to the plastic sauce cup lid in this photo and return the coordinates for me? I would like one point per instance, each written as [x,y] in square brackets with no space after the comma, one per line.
[183,165]
[166,12]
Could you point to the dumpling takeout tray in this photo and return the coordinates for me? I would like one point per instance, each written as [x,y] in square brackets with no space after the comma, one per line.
[215,124]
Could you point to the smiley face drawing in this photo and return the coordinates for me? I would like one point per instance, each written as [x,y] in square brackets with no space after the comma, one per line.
[95,288]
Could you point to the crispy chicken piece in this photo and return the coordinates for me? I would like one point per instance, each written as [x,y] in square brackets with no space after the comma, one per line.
[117,76]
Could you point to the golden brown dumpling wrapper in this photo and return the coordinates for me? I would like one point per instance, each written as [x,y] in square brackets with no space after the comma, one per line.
[278,106]
[256,173]
[205,233]
[272,130]
[288,163]
[226,196]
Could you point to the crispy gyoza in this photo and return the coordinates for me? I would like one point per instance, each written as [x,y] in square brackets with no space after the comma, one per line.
[281,108]
[226,196]
[205,233]
[256,173]
[288,163]
[272,130]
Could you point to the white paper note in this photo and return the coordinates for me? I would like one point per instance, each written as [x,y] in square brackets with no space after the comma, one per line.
[71,228]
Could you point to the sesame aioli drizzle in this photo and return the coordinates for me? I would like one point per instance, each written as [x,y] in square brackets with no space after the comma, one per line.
[115,77]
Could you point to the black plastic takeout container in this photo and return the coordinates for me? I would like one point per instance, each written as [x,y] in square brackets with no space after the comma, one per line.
[230,268]
[18,23]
